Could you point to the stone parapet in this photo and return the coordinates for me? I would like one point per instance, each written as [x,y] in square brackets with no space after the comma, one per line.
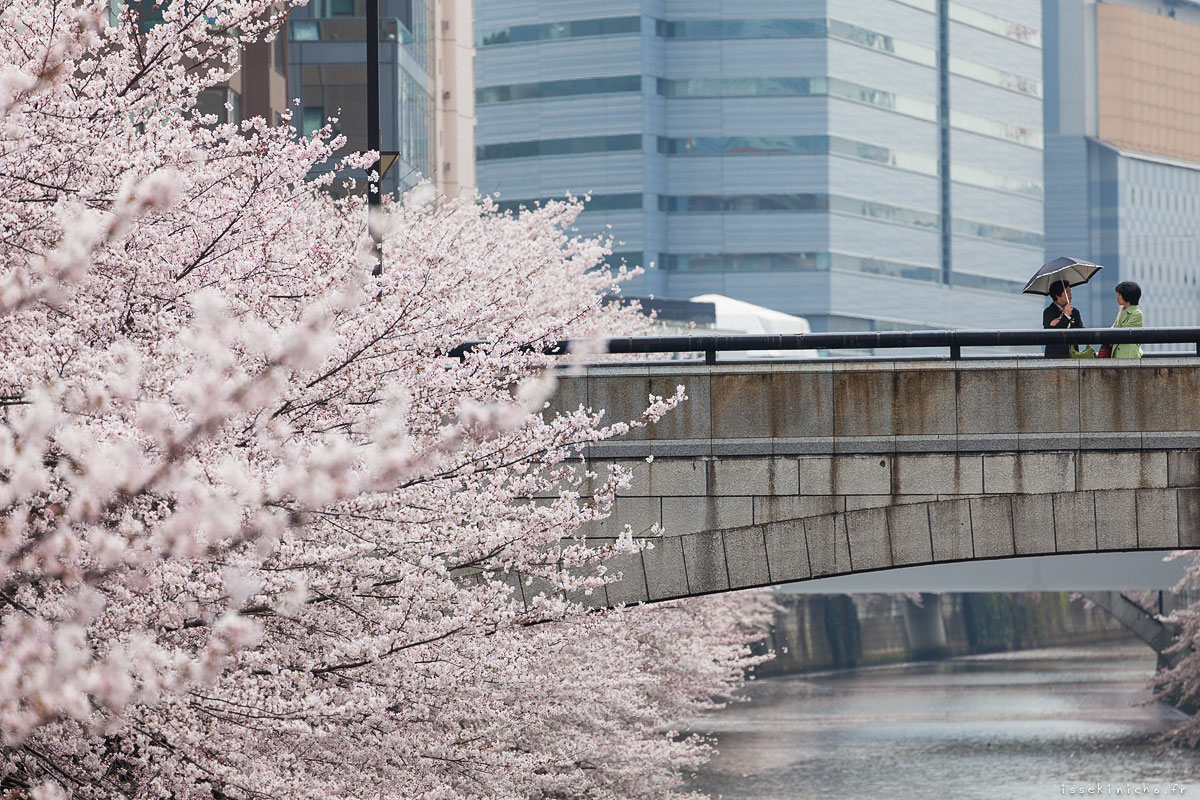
[779,472]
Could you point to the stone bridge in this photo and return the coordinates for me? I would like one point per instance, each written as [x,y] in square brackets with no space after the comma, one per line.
[779,472]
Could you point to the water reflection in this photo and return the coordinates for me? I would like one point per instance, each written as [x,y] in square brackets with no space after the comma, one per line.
[1013,725]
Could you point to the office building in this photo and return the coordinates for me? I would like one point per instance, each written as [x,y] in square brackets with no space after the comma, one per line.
[426,99]
[866,165]
[1123,151]
[257,89]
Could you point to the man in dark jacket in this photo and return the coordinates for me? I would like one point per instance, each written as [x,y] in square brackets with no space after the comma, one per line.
[1060,315]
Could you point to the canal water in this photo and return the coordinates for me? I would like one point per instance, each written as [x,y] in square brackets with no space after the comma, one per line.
[1034,724]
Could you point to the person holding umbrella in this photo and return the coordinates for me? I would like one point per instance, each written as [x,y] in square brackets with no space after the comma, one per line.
[1060,315]
[1055,279]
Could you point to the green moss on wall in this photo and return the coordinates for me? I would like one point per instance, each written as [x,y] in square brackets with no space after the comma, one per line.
[1001,621]
[842,630]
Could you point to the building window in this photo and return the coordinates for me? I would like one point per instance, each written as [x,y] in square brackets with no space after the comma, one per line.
[149,13]
[578,86]
[836,29]
[968,280]
[999,233]
[741,28]
[515,34]
[325,88]
[416,124]
[559,147]
[222,103]
[596,202]
[1025,34]
[346,30]
[822,262]
[822,86]
[314,118]
[341,8]
[797,145]
[304,30]
[802,203]
[741,203]
[744,262]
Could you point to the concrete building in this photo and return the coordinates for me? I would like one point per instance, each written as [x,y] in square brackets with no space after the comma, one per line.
[864,165]
[257,89]
[454,98]
[1123,151]
[426,103]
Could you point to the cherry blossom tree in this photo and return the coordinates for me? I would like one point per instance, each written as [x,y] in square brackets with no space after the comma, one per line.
[1180,685]
[258,531]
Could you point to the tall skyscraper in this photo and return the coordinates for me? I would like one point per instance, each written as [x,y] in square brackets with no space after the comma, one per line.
[1123,151]
[426,102]
[866,165]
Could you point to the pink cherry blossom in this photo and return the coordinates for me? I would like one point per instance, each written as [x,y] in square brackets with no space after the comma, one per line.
[259,535]
[1180,684]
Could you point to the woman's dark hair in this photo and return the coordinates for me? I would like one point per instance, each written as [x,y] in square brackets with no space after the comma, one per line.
[1130,292]
[1057,289]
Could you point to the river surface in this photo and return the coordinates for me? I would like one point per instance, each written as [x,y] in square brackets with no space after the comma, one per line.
[1033,724]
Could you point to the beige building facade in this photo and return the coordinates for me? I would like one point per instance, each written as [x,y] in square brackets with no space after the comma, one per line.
[454,115]
[1122,151]
[263,79]
[257,89]
[1148,81]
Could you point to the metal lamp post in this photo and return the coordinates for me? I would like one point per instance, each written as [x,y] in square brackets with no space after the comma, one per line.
[374,188]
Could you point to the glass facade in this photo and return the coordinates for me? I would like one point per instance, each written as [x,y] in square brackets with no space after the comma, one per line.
[571,29]
[836,29]
[767,203]
[1023,32]
[849,148]
[336,90]
[748,262]
[597,202]
[415,127]
[567,88]
[221,102]
[872,165]
[327,51]
[559,147]
[982,230]
[833,87]
[797,145]
[741,28]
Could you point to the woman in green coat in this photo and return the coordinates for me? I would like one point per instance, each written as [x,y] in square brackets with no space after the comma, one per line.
[1128,295]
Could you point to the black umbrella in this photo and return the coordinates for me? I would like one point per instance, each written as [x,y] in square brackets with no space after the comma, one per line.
[1071,270]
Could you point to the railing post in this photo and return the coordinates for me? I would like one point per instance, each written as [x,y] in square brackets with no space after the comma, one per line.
[955,352]
[710,356]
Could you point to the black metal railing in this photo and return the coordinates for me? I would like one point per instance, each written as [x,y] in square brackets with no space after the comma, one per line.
[955,341]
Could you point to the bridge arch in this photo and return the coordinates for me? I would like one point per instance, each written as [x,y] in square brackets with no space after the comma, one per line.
[906,535]
[780,472]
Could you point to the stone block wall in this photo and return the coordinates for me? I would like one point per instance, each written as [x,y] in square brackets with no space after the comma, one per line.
[894,629]
[779,472]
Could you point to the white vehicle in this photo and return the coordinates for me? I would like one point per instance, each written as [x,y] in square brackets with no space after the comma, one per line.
[738,316]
